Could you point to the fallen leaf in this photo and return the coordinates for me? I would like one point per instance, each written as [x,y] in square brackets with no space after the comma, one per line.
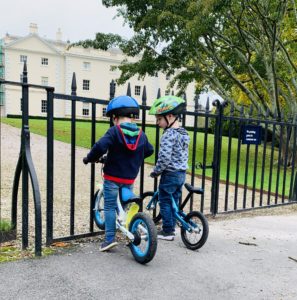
[60,244]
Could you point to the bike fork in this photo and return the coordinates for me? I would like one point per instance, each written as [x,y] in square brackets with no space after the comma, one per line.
[189,226]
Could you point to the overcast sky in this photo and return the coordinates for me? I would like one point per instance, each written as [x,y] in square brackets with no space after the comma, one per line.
[78,19]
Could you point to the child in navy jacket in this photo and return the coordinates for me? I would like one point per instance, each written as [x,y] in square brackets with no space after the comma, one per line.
[126,146]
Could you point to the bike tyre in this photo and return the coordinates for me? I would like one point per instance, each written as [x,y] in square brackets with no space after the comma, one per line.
[97,214]
[145,202]
[149,252]
[205,228]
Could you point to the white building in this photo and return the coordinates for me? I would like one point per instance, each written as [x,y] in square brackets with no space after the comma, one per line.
[52,63]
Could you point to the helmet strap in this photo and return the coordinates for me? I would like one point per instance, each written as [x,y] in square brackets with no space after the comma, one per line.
[169,125]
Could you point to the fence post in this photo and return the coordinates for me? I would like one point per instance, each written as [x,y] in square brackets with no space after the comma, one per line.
[157,140]
[25,188]
[50,165]
[144,98]
[73,141]
[217,157]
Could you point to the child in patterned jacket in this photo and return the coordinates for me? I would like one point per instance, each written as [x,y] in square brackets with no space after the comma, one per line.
[172,160]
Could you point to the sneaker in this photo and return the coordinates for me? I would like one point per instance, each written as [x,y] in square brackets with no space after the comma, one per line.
[168,236]
[107,245]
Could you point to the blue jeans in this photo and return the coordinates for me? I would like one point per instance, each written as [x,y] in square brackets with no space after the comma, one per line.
[171,184]
[111,190]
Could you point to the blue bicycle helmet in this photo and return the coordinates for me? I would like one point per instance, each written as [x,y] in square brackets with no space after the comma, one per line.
[124,106]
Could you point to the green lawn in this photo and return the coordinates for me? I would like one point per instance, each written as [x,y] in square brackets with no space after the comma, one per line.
[62,132]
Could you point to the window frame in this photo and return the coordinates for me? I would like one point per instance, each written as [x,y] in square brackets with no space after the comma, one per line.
[44,61]
[44,82]
[22,56]
[137,90]
[86,63]
[86,84]
[43,106]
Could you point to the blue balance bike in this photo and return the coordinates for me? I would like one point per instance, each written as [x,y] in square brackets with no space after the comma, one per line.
[194,225]
[137,227]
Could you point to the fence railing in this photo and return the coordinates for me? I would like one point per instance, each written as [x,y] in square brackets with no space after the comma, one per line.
[235,175]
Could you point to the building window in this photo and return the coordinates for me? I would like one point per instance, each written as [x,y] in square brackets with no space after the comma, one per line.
[104,112]
[44,61]
[44,81]
[137,90]
[87,65]
[167,92]
[86,109]
[156,74]
[86,85]
[23,58]
[43,106]
[167,77]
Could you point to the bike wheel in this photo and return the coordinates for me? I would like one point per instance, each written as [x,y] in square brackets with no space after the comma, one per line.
[144,246]
[98,211]
[154,213]
[197,237]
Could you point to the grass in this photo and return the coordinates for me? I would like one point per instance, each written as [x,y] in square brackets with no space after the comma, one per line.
[62,132]
[5,226]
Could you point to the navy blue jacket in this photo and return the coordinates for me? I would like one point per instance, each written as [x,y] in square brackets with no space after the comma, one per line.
[124,155]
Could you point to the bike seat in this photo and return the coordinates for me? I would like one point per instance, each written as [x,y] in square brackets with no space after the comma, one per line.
[195,190]
[126,195]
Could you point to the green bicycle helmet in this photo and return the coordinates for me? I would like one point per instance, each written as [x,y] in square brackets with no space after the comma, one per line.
[168,105]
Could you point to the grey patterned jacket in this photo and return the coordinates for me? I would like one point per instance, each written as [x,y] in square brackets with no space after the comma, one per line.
[173,154]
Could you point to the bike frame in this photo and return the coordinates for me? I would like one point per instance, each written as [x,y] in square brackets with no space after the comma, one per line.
[121,217]
[177,211]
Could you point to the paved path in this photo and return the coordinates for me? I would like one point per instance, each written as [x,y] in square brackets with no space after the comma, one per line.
[225,268]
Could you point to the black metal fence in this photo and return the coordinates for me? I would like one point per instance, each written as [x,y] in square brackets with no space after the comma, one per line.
[235,174]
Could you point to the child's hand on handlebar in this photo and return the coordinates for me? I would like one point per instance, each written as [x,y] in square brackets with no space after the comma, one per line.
[154,174]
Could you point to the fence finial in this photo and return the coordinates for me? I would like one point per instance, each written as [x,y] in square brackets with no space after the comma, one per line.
[232,108]
[129,90]
[111,89]
[196,100]
[159,93]
[185,96]
[73,85]
[241,111]
[216,103]
[25,73]
[207,105]
[144,96]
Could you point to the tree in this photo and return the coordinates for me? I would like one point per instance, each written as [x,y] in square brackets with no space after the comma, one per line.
[242,49]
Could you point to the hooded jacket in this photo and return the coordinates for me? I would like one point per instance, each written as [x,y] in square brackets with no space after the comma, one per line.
[126,146]
[173,154]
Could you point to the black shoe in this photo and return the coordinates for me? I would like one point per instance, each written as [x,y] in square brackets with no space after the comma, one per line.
[168,236]
[107,245]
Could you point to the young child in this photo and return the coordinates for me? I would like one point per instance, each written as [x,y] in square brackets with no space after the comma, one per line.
[126,147]
[172,159]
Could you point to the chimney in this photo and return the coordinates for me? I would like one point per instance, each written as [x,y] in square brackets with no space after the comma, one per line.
[59,35]
[33,28]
